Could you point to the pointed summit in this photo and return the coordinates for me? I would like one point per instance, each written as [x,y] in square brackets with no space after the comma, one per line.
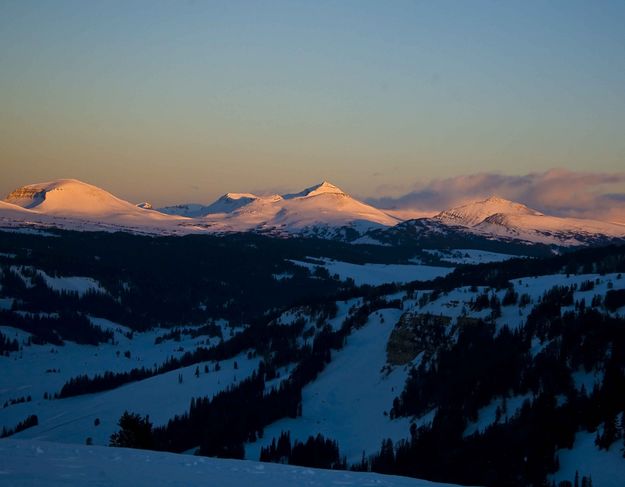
[326,187]
[322,188]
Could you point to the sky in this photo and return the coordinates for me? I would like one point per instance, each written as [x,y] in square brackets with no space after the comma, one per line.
[173,101]
[558,192]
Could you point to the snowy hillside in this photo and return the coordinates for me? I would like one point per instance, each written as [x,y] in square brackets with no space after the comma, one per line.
[69,197]
[337,410]
[439,378]
[498,217]
[356,389]
[547,229]
[28,463]
[95,416]
[474,213]
[72,204]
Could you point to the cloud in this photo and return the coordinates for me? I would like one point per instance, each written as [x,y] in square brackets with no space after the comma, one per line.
[559,192]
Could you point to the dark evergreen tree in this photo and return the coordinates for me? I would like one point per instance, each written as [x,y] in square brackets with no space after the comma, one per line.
[135,432]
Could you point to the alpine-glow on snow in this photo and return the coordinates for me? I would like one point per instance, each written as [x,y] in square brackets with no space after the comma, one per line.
[320,210]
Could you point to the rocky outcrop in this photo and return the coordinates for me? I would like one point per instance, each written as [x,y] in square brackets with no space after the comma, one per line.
[416,333]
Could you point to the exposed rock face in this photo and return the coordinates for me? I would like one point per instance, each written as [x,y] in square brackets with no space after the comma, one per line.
[416,333]
[26,197]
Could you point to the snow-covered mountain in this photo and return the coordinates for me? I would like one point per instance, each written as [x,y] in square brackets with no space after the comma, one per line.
[225,204]
[73,204]
[320,209]
[323,210]
[69,197]
[498,217]
[474,213]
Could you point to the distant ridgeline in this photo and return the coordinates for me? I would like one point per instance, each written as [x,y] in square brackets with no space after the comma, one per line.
[165,281]
[148,281]
[458,368]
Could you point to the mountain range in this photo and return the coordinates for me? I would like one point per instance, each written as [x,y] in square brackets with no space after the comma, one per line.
[429,354]
[322,210]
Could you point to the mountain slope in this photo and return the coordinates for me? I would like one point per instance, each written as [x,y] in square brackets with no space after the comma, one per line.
[24,463]
[327,204]
[72,204]
[494,339]
[500,219]
[225,204]
[323,210]
[7,207]
[319,208]
[548,229]
[473,213]
[69,203]
[68,197]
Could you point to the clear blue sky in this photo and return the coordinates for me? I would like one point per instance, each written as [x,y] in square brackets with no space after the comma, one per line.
[175,101]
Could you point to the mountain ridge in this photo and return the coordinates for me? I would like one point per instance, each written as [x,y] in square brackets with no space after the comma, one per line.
[322,210]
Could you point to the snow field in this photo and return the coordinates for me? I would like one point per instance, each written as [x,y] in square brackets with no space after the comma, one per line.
[72,420]
[487,415]
[377,274]
[470,256]
[348,399]
[39,369]
[28,463]
[607,468]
